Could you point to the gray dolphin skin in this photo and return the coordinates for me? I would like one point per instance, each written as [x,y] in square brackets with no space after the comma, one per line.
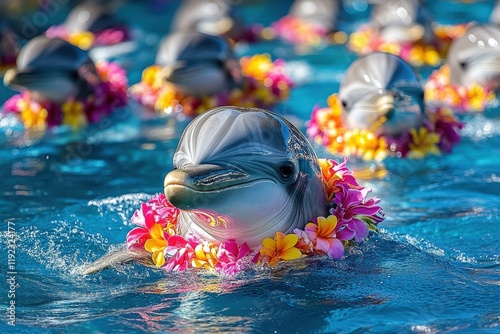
[382,93]
[402,21]
[322,13]
[211,17]
[198,64]
[90,16]
[52,69]
[240,174]
[475,57]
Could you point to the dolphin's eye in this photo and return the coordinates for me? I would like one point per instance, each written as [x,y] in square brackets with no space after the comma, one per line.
[344,103]
[286,170]
[463,64]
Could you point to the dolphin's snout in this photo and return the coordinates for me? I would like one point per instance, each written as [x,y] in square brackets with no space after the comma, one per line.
[183,186]
[10,76]
[385,105]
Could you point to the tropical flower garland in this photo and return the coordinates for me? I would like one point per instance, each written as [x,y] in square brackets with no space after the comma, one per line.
[265,84]
[109,93]
[439,134]
[351,217]
[297,31]
[367,40]
[462,99]
[87,39]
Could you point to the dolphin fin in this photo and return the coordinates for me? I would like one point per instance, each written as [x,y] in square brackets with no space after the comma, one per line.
[119,256]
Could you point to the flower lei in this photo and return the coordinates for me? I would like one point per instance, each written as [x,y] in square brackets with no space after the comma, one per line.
[367,40]
[440,132]
[108,94]
[87,39]
[351,217]
[462,99]
[265,84]
[297,31]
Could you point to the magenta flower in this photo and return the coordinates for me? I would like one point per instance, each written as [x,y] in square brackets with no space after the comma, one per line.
[351,206]
[145,219]
[231,257]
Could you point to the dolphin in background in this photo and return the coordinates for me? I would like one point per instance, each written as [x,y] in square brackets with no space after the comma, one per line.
[402,21]
[211,17]
[241,174]
[319,13]
[198,64]
[382,93]
[52,69]
[91,16]
[475,57]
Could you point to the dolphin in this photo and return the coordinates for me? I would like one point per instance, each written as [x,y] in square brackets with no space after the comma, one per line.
[475,57]
[90,16]
[382,93]
[198,64]
[322,13]
[241,174]
[402,21]
[211,17]
[52,69]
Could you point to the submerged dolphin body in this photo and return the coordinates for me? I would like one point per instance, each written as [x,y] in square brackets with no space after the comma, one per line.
[211,17]
[382,93]
[52,69]
[90,16]
[198,64]
[402,21]
[475,57]
[320,13]
[240,174]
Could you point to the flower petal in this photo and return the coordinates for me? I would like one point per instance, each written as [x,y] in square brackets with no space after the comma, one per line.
[291,254]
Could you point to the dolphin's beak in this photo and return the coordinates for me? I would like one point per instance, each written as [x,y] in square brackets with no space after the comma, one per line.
[186,188]
[10,78]
[385,104]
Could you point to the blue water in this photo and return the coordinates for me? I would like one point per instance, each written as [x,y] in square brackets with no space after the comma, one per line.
[433,268]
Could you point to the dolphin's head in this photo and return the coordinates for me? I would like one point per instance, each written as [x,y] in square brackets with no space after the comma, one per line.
[382,93]
[244,174]
[402,21]
[198,64]
[322,13]
[211,17]
[52,69]
[475,57]
[90,16]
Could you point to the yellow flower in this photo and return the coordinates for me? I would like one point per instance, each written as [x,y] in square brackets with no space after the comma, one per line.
[73,114]
[282,247]
[83,39]
[157,245]
[365,145]
[167,98]
[424,142]
[32,114]
[205,256]
[477,97]
[256,66]
[151,77]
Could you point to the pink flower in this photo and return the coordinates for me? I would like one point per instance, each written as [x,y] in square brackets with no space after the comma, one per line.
[231,257]
[181,252]
[322,235]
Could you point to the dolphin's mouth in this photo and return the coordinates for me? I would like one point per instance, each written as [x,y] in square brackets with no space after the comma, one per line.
[183,187]
[187,197]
